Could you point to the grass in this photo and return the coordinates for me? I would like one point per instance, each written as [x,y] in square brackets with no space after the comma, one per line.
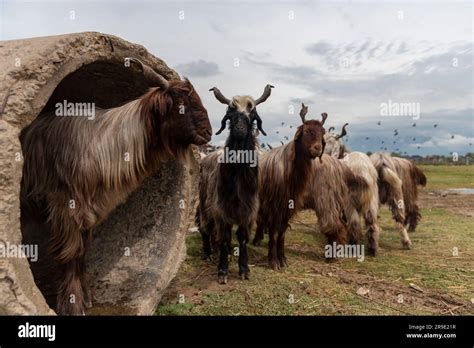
[443,177]
[311,286]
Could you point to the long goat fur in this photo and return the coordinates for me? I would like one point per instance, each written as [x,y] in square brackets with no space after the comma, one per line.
[411,177]
[76,170]
[329,195]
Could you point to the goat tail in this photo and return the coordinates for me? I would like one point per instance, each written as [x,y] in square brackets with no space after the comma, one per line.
[356,183]
[358,187]
[390,177]
[418,176]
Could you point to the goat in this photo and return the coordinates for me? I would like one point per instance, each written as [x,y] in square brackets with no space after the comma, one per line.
[368,202]
[77,170]
[228,192]
[331,194]
[284,175]
[399,190]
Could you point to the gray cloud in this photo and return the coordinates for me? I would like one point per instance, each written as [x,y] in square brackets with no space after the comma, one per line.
[198,68]
[319,48]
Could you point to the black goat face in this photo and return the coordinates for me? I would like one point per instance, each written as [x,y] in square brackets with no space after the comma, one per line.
[240,125]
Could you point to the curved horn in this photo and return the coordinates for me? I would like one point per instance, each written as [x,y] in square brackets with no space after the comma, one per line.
[150,75]
[259,122]
[324,117]
[331,129]
[271,148]
[303,112]
[266,93]
[223,124]
[219,96]
[343,133]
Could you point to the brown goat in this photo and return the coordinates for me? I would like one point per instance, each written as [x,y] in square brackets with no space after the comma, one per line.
[76,170]
[284,175]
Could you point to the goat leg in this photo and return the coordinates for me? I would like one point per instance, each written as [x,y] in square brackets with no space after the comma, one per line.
[243,237]
[281,249]
[225,240]
[70,300]
[272,250]
[257,239]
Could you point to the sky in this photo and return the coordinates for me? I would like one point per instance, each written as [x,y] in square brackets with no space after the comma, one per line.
[400,73]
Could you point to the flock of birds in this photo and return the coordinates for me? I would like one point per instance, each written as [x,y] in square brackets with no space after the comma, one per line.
[384,144]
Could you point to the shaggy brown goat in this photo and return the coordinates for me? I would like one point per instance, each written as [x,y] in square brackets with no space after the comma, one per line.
[77,170]
[366,201]
[284,175]
[391,191]
[412,177]
[387,182]
[228,190]
[331,195]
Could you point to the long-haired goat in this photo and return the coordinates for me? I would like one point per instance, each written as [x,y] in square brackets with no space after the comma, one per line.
[333,195]
[284,174]
[401,193]
[228,190]
[78,170]
[368,201]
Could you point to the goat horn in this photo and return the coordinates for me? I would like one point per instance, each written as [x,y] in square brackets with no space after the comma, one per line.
[343,133]
[150,75]
[219,96]
[303,112]
[324,116]
[331,129]
[223,123]
[266,93]
[271,148]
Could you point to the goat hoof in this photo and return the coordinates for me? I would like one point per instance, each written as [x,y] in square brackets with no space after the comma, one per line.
[207,257]
[406,244]
[274,265]
[330,259]
[372,252]
[256,241]
[283,262]
[222,279]
[244,275]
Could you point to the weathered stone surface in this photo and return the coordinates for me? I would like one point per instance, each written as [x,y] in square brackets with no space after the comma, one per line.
[34,74]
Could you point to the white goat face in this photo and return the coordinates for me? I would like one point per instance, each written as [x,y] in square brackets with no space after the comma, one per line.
[244,104]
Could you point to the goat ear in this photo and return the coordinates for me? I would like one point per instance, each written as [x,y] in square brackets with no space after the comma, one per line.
[292,154]
[298,133]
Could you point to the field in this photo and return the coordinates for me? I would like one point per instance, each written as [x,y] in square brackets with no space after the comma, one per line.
[435,277]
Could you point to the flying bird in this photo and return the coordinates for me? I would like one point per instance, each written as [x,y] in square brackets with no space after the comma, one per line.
[378,123]
[435,125]
[413,125]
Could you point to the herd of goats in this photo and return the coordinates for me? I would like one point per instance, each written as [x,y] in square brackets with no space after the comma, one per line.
[75,158]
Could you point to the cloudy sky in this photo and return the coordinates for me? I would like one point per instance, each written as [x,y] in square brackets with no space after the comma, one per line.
[349,59]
